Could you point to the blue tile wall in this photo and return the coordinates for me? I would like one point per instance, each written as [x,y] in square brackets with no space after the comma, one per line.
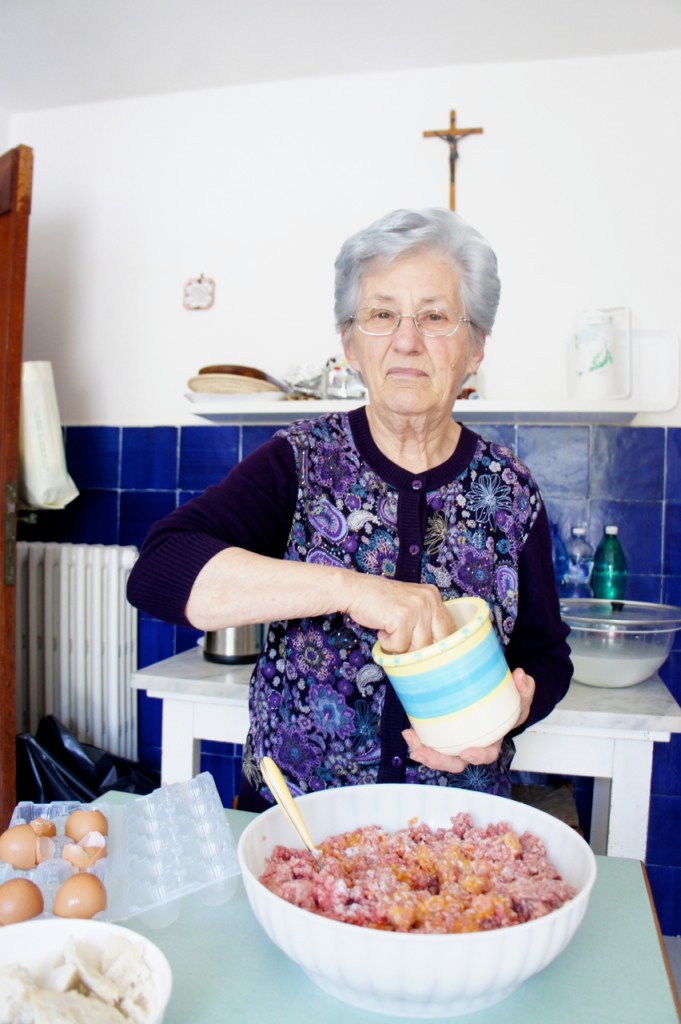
[592,475]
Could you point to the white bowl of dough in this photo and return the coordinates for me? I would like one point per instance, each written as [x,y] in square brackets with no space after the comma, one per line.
[411,974]
[618,643]
[74,970]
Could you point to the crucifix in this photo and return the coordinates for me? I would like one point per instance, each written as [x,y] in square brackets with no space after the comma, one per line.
[451,136]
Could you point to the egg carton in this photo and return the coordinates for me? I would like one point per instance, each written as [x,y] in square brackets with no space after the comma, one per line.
[160,848]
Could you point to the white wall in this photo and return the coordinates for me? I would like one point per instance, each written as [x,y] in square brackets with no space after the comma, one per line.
[4,130]
[575,181]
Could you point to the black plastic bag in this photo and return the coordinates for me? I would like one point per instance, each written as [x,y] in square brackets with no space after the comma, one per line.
[54,765]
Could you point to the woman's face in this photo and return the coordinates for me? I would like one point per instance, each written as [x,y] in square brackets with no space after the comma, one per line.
[405,372]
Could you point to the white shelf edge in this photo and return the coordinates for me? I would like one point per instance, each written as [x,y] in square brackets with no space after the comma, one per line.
[219,409]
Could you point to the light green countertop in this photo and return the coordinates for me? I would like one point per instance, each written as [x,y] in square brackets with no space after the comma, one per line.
[225,969]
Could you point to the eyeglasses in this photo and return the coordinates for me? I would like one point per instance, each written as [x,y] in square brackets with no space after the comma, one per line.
[431,323]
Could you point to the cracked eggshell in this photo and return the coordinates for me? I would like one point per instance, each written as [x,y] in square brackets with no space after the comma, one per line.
[42,827]
[84,854]
[44,849]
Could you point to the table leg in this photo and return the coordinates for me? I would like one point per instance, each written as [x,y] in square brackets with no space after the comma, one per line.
[180,749]
[600,816]
[630,798]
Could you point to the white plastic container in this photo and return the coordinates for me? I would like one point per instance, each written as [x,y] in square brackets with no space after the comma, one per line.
[599,364]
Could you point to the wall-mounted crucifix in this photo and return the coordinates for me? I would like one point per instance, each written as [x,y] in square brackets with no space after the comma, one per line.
[451,136]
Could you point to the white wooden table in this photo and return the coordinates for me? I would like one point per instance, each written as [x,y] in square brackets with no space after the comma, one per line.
[607,734]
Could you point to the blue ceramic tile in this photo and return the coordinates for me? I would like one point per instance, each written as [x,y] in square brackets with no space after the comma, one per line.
[644,588]
[149,720]
[627,463]
[558,458]
[215,747]
[155,641]
[664,834]
[671,591]
[236,770]
[673,489]
[566,514]
[666,778]
[150,757]
[670,672]
[93,456]
[185,496]
[149,458]
[139,510]
[92,518]
[221,768]
[185,638]
[498,433]
[665,883]
[672,540]
[253,437]
[206,455]
[640,531]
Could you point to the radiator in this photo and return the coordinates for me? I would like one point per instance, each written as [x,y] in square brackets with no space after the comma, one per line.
[77,642]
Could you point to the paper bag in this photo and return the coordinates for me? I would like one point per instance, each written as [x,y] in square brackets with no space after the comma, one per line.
[43,479]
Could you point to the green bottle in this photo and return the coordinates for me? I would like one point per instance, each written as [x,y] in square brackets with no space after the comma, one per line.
[609,574]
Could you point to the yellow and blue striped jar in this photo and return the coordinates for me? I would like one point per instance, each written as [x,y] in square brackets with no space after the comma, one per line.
[457,692]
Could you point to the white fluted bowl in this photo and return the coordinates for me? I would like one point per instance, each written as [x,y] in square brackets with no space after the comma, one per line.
[38,944]
[414,975]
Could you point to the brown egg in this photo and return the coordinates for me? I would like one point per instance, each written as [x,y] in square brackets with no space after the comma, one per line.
[81,895]
[18,847]
[79,823]
[20,900]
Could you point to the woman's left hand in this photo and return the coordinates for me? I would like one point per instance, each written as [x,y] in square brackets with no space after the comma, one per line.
[475,755]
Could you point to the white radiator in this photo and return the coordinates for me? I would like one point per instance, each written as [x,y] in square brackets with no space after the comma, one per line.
[77,642]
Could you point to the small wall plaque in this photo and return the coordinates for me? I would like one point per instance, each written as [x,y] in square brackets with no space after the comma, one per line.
[199,293]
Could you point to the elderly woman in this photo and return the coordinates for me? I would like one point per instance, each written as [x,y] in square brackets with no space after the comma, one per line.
[357,525]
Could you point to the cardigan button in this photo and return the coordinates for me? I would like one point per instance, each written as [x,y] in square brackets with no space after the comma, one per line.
[416,485]
[414,549]
[397,761]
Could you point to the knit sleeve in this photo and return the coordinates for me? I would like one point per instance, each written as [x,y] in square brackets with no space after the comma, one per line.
[251,508]
[538,642]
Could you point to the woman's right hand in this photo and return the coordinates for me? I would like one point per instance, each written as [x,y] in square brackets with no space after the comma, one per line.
[407,616]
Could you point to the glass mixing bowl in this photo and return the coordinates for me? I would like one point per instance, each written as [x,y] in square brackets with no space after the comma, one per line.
[618,643]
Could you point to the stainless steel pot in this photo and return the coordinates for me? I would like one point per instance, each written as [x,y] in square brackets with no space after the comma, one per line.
[234,645]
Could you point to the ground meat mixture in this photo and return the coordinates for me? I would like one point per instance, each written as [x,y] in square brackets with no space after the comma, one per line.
[447,880]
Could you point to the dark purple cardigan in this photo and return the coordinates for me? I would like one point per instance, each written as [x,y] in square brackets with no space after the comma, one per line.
[258,507]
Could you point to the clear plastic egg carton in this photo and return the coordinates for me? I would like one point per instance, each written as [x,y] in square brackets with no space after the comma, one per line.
[49,875]
[162,847]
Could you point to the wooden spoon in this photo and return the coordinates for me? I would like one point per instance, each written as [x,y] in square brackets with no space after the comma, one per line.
[282,794]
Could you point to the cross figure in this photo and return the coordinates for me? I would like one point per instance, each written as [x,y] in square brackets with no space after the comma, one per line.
[451,136]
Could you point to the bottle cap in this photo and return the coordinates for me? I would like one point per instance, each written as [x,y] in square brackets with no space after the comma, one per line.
[612,530]
[579,531]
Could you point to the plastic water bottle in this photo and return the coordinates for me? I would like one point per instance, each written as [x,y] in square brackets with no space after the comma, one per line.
[609,576]
[580,563]
[559,555]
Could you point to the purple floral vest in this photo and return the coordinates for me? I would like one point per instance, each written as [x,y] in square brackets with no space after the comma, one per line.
[317,700]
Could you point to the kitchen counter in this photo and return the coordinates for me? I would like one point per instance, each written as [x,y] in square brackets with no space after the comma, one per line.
[607,734]
[614,970]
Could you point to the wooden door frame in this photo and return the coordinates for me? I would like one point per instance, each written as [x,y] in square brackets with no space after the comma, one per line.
[16,173]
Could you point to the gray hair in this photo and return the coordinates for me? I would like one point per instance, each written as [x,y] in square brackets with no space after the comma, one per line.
[404,232]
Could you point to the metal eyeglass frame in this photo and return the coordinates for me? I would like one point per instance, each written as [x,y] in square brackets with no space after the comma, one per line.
[409,316]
